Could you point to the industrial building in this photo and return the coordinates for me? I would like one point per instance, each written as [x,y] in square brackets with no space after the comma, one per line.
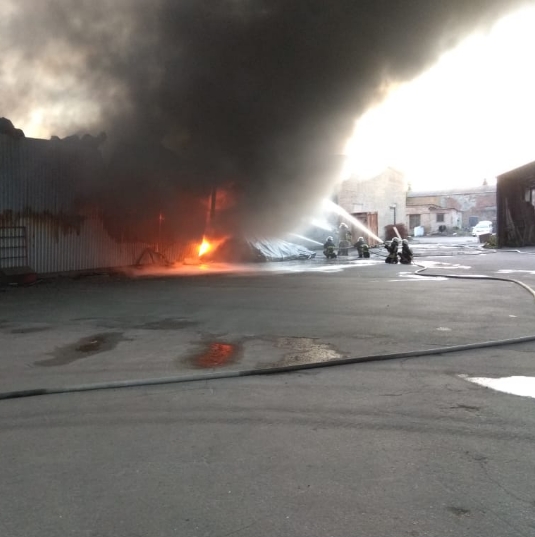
[515,196]
[64,208]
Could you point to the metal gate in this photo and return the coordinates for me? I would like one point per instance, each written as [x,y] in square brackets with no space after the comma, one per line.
[370,220]
[13,247]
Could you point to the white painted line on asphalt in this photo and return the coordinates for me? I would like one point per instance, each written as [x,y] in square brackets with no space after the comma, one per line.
[522,386]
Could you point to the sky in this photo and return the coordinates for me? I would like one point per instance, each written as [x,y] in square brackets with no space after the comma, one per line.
[466,119]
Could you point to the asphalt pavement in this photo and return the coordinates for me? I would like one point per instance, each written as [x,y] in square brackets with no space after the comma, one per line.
[404,447]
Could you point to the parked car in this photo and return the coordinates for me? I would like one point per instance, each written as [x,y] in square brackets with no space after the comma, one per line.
[485,226]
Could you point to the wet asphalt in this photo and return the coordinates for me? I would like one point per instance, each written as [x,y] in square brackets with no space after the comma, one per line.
[405,447]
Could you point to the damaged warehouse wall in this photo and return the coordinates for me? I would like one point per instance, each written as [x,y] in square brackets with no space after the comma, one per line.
[515,194]
[64,208]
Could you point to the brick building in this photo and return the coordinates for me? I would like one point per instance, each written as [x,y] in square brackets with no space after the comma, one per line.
[376,202]
[454,209]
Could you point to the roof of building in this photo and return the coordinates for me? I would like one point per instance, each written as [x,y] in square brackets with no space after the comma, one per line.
[450,192]
[524,172]
[432,207]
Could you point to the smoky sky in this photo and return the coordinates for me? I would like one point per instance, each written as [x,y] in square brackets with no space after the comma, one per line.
[261,93]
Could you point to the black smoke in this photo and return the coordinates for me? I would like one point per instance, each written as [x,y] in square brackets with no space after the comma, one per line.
[262,94]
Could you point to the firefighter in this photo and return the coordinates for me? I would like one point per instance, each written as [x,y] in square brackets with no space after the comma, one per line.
[328,248]
[344,236]
[406,254]
[392,248]
[362,248]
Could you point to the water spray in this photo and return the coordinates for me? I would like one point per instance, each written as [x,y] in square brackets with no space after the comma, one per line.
[305,238]
[334,207]
[321,224]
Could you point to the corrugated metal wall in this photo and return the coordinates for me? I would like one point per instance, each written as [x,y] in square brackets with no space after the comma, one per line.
[516,207]
[41,185]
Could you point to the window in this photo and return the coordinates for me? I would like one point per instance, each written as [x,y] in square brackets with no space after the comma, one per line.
[414,220]
[440,217]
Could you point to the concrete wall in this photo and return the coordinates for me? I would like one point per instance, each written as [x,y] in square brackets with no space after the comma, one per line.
[376,195]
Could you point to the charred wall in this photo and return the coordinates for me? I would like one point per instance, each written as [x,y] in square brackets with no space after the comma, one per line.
[516,207]
[80,211]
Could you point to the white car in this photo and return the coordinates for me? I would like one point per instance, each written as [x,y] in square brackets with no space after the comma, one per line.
[485,226]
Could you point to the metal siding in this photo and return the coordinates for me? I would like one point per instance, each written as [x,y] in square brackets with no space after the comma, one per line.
[37,190]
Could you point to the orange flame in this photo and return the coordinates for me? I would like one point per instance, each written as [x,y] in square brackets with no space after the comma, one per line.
[210,245]
[204,247]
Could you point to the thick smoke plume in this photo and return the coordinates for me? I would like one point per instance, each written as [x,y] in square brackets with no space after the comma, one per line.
[258,93]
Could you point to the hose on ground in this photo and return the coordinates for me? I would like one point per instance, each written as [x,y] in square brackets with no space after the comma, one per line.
[474,277]
[215,375]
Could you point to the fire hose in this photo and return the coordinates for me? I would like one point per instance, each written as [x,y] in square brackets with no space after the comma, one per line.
[215,375]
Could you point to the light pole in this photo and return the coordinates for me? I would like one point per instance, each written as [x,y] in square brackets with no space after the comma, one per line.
[393,207]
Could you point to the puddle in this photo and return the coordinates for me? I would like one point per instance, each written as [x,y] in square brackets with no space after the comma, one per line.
[412,277]
[167,324]
[513,271]
[439,265]
[217,354]
[522,386]
[83,348]
[302,350]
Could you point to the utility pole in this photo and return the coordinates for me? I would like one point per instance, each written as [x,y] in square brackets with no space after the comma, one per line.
[393,207]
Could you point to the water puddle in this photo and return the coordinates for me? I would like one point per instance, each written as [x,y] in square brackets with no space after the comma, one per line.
[411,277]
[323,265]
[217,354]
[522,386]
[513,271]
[302,350]
[439,265]
[83,348]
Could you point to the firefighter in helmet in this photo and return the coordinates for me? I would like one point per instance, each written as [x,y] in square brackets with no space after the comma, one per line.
[406,255]
[362,248]
[392,248]
[328,248]
[344,236]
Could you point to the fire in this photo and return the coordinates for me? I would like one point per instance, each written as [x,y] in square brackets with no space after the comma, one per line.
[204,247]
[210,245]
